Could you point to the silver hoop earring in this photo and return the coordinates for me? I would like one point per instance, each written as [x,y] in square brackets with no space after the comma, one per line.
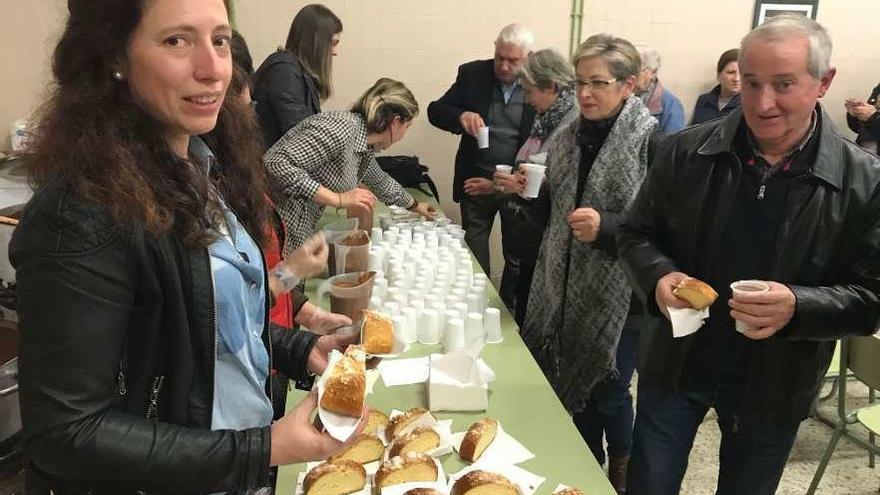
[117,75]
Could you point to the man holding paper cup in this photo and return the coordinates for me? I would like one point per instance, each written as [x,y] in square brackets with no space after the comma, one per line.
[780,215]
[487,106]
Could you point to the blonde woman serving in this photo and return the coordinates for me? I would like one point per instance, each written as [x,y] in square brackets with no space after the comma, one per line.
[321,161]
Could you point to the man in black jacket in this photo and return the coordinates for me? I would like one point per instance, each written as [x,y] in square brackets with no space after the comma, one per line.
[774,193]
[486,93]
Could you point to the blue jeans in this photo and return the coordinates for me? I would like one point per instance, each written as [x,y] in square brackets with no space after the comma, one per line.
[752,457]
[609,410]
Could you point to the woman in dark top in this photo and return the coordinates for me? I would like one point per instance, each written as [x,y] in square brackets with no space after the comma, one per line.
[724,97]
[864,119]
[291,83]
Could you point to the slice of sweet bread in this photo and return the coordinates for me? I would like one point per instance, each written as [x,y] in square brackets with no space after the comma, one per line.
[483,483]
[398,423]
[376,421]
[407,468]
[477,438]
[335,478]
[365,448]
[423,491]
[346,387]
[422,439]
[377,333]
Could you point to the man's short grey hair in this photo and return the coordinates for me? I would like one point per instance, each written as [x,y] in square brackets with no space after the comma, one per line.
[620,55]
[547,69]
[518,35]
[649,55]
[792,25]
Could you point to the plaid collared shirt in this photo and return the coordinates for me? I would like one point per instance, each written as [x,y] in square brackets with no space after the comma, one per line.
[327,149]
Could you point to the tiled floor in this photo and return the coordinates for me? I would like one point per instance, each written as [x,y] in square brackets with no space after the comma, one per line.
[847,473]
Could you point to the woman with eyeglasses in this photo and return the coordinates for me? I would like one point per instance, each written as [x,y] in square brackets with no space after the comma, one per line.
[323,159]
[579,323]
[546,78]
[292,82]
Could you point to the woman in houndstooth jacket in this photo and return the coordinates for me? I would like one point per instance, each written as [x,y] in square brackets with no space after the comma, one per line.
[321,161]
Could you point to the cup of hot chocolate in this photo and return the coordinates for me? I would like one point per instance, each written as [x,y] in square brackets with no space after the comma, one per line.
[743,287]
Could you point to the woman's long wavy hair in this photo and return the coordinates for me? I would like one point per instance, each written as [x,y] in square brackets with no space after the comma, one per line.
[91,134]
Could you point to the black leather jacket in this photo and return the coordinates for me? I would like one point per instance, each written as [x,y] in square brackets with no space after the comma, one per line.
[827,252]
[117,358]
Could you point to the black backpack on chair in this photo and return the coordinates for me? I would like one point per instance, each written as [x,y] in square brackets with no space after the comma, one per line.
[408,172]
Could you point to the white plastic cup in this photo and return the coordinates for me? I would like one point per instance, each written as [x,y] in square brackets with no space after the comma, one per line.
[504,168]
[390,308]
[380,287]
[401,301]
[534,179]
[474,303]
[409,334]
[492,325]
[429,329]
[375,303]
[451,300]
[375,235]
[483,138]
[399,322]
[418,305]
[462,309]
[453,335]
[473,329]
[743,287]
[374,261]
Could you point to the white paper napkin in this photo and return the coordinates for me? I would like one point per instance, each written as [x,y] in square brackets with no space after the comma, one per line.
[372,378]
[527,482]
[503,450]
[339,426]
[404,371]
[686,321]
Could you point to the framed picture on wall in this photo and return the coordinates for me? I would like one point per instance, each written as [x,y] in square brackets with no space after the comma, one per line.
[765,9]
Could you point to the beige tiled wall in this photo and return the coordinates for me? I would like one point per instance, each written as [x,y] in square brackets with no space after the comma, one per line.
[421,42]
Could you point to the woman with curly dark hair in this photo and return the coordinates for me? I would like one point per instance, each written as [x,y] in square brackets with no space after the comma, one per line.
[145,345]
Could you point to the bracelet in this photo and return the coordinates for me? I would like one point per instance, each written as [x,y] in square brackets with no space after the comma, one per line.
[413,206]
[339,204]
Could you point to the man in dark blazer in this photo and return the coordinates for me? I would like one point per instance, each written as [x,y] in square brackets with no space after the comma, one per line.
[486,93]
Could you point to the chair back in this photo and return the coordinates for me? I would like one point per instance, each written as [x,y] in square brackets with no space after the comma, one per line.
[864,359]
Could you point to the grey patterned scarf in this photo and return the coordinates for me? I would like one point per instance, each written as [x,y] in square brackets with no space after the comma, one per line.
[547,122]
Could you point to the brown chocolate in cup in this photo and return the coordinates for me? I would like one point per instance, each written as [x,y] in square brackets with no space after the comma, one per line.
[350,294]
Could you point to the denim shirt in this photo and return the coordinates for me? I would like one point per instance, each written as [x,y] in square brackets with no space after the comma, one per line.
[242,362]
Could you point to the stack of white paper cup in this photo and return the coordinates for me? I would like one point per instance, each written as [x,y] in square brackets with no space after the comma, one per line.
[453,336]
[376,235]
[475,303]
[474,332]
[375,303]
[462,309]
[410,333]
[429,328]
[390,308]
[492,325]
[399,322]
